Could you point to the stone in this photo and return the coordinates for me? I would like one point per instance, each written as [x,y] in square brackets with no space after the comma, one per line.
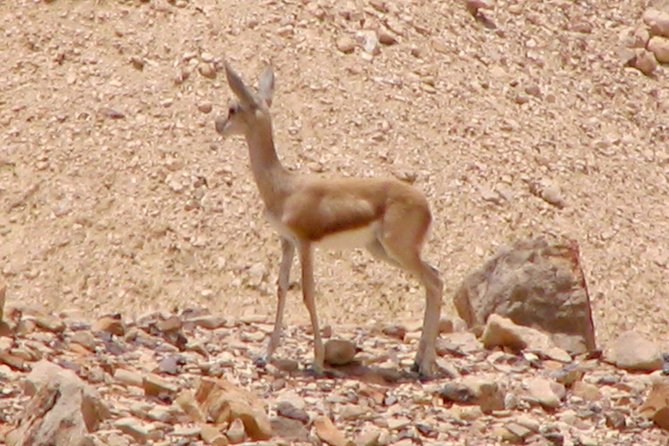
[128,377]
[289,429]
[656,405]
[84,338]
[644,61]
[169,325]
[346,44]
[236,432]
[224,402]
[340,352]
[213,436]
[50,324]
[386,37]
[547,393]
[395,331]
[205,107]
[288,410]
[502,332]
[587,391]
[369,437]
[632,351]
[154,385]
[659,46]
[328,433]
[187,402]
[207,70]
[111,324]
[658,21]
[62,410]
[473,390]
[536,283]
[140,432]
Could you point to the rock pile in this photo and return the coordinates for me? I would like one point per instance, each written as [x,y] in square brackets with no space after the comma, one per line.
[189,378]
[648,44]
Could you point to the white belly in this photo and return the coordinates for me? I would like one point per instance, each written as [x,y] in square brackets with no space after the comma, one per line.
[355,238]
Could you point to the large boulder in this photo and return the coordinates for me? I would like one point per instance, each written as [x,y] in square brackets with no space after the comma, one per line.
[535,283]
[63,409]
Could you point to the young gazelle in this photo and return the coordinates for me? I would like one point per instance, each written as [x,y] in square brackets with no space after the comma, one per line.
[389,218]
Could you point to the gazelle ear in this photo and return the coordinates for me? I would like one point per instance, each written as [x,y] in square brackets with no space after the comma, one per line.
[266,86]
[238,88]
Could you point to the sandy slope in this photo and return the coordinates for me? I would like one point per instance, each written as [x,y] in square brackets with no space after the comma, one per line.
[153,210]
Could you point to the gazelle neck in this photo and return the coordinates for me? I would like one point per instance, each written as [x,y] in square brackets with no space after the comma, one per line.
[270,176]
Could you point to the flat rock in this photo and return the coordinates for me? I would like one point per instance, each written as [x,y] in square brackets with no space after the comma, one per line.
[328,433]
[535,283]
[225,402]
[289,429]
[545,392]
[502,332]
[632,351]
[656,405]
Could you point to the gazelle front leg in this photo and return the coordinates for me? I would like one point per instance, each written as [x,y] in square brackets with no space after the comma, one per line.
[283,281]
[308,291]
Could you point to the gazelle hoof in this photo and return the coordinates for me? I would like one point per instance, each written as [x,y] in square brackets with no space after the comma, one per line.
[425,373]
[261,361]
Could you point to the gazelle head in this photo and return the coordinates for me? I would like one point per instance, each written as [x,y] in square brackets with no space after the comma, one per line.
[250,111]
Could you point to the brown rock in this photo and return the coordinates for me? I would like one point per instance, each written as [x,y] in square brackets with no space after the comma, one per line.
[212,435]
[154,385]
[169,325]
[472,390]
[236,433]
[50,324]
[386,37]
[186,401]
[395,331]
[346,44]
[657,21]
[588,392]
[656,406]
[659,46]
[644,61]
[340,352]
[534,283]
[128,377]
[328,433]
[205,107]
[112,324]
[223,402]
[84,338]
[502,332]
[207,70]
[290,429]
[62,410]
[545,392]
[133,428]
[632,351]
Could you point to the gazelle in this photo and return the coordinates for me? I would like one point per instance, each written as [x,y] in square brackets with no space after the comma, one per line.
[389,218]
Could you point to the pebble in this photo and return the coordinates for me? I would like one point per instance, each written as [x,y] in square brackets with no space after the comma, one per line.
[346,44]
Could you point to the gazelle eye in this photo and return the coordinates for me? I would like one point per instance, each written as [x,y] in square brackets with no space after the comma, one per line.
[232,110]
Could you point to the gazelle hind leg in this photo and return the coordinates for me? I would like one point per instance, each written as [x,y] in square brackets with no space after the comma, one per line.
[402,236]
